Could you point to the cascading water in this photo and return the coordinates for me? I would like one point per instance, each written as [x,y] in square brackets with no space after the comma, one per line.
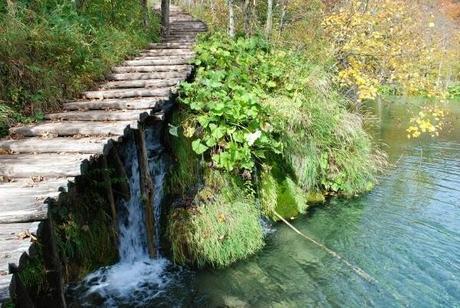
[137,279]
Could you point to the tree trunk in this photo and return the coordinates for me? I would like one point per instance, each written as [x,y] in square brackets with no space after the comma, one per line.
[246,17]
[145,13]
[283,15]
[254,20]
[231,19]
[269,22]
[165,17]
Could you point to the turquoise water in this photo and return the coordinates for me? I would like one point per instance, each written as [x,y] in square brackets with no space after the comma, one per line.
[405,234]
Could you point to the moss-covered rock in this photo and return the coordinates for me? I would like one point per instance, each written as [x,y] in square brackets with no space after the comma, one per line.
[279,193]
[219,227]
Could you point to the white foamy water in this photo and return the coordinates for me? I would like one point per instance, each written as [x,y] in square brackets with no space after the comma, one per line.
[137,279]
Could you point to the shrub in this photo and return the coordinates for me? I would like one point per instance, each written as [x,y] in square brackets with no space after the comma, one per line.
[51,50]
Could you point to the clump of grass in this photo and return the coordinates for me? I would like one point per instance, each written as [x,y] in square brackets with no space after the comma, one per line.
[51,50]
[221,226]
[325,143]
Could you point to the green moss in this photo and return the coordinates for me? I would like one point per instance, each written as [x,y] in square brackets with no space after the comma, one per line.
[33,275]
[83,225]
[280,193]
[186,172]
[291,199]
[314,197]
[221,226]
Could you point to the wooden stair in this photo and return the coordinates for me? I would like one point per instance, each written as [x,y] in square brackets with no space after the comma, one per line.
[37,161]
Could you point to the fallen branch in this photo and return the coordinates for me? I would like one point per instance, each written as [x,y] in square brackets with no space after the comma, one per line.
[355,269]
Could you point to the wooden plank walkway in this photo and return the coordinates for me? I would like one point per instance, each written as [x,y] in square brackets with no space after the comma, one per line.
[36,161]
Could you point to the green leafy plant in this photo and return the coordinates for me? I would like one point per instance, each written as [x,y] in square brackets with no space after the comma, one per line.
[232,124]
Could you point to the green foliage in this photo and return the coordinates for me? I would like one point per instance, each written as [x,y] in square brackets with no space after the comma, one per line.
[454,92]
[251,103]
[220,227]
[226,99]
[51,50]
[33,275]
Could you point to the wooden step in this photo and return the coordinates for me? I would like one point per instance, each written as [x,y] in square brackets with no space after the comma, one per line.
[177,40]
[128,93]
[5,281]
[92,145]
[117,104]
[187,25]
[14,242]
[155,62]
[24,200]
[151,69]
[179,30]
[168,52]
[184,57]
[154,75]
[103,115]
[170,45]
[69,128]
[45,165]
[148,83]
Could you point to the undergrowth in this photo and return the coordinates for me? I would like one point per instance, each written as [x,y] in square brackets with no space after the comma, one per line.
[251,102]
[219,227]
[51,50]
[274,128]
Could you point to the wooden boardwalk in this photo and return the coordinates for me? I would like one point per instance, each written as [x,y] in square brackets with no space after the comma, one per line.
[38,160]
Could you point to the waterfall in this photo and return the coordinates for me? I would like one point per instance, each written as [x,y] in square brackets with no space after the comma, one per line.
[136,279]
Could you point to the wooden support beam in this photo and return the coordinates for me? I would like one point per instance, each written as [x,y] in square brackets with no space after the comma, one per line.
[147,189]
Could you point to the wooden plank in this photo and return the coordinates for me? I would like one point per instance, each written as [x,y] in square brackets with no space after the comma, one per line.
[170,45]
[177,40]
[146,56]
[128,93]
[74,128]
[153,62]
[5,281]
[24,200]
[148,83]
[156,75]
[55,145]
[46,165]
[151,69]
[114,104]
[14,242]
[167,52]
[99,115]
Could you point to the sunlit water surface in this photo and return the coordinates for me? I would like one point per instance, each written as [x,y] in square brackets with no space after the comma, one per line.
[405,234]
